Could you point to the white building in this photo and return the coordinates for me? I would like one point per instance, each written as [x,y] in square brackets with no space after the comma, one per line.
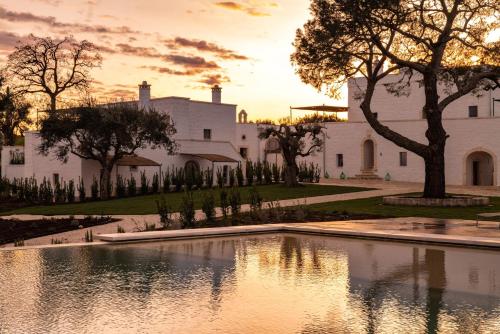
[210,136]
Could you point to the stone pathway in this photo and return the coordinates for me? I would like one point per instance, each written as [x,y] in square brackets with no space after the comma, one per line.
[131,223]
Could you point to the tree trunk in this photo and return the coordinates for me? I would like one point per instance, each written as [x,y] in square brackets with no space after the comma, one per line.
[291,175]
[435,182]
[53,103]
[105,183]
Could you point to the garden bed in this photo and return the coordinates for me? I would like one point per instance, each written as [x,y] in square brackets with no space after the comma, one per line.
[14,230]
[450,201]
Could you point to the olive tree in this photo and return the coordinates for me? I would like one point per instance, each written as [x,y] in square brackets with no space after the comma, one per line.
[447,44]
[14,116]
[295,140]
[105,134]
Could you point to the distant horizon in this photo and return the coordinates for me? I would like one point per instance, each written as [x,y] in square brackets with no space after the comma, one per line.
[246,49]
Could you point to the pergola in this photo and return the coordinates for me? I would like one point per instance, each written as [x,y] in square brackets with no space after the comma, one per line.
[323,108]
[136,161]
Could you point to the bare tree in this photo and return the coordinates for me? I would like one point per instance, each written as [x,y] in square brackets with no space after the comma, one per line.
[299,140]
[51,66]
[446,43]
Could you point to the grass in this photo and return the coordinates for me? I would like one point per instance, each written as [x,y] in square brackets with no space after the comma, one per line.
[141,205]
[374,206]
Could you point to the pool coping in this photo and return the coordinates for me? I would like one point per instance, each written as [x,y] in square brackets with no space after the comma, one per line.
[388,235]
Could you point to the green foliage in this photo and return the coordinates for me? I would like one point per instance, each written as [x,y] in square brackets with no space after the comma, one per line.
[209,178]
[224,202]
[268,174]
[165,212]
[121,187]
[187,211]
[19,243]
[259,170]
[232,177]
[111,131]
[14,119]
[131,186]
[56,241]
[235,203]
[208,206]
[309,172]
[155,184]
[239,176]
[70,191]
[46,194]
[220,178]
[198,178]
[178,179]
[94,189]
[120,229]
[255,200]
[81,190]
[250,173]
[59,192]
[167,181]
[144,183]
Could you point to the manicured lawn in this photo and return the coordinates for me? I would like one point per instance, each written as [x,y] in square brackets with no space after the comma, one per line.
[147,205]
[374,206]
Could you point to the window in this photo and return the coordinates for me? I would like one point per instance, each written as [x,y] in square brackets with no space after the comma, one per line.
[340,160]
[225,173]
[244,152]
[403,159]
[207,134]
[243,137]
[472,111]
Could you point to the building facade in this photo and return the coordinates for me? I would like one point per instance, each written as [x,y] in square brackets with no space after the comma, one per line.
[214,135]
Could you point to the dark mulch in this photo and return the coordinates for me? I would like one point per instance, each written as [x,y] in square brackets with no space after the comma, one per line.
[12,230]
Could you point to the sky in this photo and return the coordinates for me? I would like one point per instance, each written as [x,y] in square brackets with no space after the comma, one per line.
[181,47]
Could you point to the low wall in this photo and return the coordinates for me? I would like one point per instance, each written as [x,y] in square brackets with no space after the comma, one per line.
[456,201]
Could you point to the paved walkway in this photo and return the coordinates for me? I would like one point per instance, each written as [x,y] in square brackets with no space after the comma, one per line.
[131,223]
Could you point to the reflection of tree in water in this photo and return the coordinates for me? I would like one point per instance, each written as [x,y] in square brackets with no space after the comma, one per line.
[130,273]
[384,289]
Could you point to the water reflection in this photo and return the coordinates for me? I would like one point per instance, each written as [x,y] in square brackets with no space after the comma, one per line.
[276,283]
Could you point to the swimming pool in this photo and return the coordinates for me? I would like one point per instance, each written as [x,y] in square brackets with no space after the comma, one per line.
[276,283]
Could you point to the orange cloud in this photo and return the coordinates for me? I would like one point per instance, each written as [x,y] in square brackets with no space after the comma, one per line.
[250,8]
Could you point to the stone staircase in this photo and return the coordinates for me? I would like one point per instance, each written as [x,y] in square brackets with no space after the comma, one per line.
[366,175]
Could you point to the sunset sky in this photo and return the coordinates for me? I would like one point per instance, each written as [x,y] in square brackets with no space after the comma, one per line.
[180,47]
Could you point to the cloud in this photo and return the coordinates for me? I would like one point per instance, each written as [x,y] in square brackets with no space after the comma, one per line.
[51,21]
[252,8]
[171,71]
[139,51]
[190,61]
[204,46]
[9,40]
[214,79]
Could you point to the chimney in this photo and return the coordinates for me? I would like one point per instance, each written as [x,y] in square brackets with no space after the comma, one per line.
[144,94]
[216,94]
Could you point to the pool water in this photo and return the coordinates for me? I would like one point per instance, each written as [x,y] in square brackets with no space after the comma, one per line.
[279,283]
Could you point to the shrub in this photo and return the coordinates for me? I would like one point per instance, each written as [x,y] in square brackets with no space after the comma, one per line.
[81,190]
[167,181]
[144,183]
[259,172]
[46,193]
[239,175]
[165,212]
[220,178]
[59,192]
[255,200]
[209,178]
[208,206]
[89,236]
[120,229]
[121,188]
[70,191]
[94,190]
[131,186]
[198,179]
[155,184]
[190,178]
[235,203]
[178,179]
[250,173]
[187,212]
[232,178]
[224,203]
[268,174]
[276,173]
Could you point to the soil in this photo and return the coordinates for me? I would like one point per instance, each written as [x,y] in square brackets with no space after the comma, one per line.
[12,230]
